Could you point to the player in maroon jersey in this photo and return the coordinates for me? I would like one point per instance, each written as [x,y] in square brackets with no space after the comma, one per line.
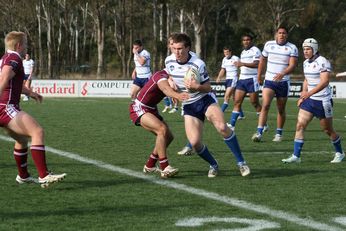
[144,112]
[19,124]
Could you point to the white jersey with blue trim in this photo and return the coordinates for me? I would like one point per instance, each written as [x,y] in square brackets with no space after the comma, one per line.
[143,71]
[312,71]
[278,57]
[177,71]
[249,56]
[228,65]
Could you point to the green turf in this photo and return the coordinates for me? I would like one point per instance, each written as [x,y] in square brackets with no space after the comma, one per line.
[94,198]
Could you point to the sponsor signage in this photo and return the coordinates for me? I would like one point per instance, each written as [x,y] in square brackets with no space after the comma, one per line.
[55,88]
[121,88]
[82,88]
[97,88]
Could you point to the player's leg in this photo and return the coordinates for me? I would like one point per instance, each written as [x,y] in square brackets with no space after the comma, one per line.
[26,83]
[327,126]
[25,125]
[304,118]
[194,131]
[20,154]
[175,107]
[267,97]
[168,103]
[254,100]
[163,138]
[239,96]
[226,98]
[215,116]
[134,91]
[281,117]
[163,135]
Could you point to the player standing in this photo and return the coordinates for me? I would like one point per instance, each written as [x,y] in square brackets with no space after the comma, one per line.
[18,124]
[28,65]
[229,69]
[280,57]
[315,101]
[200,105]
[247,82]
[142,71]
[144,112]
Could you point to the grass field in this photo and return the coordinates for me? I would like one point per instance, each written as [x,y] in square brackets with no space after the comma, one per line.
[93,141]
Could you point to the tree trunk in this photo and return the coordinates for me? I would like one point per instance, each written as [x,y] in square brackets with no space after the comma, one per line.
[49,38]
[39,67]
[100,27]
[154,50]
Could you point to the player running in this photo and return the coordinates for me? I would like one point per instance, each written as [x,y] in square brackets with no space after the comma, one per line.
[144,112]
[201,104]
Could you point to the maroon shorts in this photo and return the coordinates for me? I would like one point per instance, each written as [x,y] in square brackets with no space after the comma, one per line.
[137,110]
[7,113]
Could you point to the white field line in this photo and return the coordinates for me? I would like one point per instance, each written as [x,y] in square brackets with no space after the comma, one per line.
[195,191]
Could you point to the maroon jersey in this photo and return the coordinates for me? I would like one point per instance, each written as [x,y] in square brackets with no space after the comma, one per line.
[150,95]
[11,94]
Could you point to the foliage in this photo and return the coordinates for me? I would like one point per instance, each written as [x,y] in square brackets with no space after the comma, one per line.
[65,35]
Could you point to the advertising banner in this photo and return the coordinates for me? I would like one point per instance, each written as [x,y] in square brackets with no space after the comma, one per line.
[121,88]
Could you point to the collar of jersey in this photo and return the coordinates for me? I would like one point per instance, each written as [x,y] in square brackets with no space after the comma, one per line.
[188,59]
[14,52]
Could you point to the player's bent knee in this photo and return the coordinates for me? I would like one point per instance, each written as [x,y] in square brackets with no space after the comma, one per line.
[38,133]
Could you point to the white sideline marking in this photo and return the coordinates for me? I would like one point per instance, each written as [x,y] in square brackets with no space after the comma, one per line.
[199,192]
[254,224]
[340,220]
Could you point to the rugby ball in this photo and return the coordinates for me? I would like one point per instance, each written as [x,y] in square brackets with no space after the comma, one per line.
[192,73]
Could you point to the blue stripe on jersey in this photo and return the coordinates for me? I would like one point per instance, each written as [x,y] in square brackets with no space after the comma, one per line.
[247,57]
[276,63]
[312,74]
[249,73]
[275,53]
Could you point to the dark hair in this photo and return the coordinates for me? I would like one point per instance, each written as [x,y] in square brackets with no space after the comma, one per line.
[138,42]
[282,27]
[182,38]
[227,48]
[247,35]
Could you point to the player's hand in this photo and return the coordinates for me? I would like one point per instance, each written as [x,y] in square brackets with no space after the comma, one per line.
[183,96]
[37,97]
[191,85]
[299,102]
[278,77]
[304,95]
[260,81]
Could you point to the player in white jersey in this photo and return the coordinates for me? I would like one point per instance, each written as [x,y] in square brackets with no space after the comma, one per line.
[200,105]
[229,69]
[280,57]
[28,65]
[247,82]
[315,101]
[142,71]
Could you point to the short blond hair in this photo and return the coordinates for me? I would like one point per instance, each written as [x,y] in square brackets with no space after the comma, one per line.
[13,38]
